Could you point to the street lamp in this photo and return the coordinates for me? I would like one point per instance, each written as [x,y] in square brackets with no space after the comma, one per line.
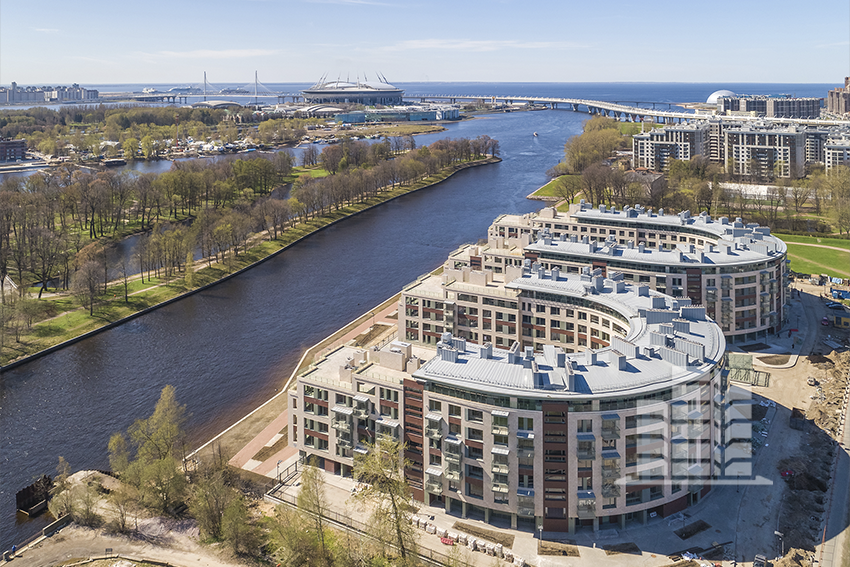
[781,542]
[540,532]
[278,471]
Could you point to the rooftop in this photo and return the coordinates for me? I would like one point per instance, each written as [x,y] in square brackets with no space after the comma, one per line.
[669,341]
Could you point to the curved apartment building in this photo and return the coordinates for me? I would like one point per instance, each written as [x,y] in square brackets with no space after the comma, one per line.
[630,426]
[738,272]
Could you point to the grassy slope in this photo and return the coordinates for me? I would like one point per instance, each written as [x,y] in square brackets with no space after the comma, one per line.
[837,242]
[811,260]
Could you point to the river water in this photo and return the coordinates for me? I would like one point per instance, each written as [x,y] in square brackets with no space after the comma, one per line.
[230,348]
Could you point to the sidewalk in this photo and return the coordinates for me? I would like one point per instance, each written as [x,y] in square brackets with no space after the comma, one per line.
[272,433]
[656,539]
[797,337]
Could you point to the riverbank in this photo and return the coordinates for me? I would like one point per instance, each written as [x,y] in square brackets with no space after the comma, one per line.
[52,335]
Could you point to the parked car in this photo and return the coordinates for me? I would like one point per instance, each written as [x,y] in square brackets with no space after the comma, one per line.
[825,321]
[759,561]
[811,381]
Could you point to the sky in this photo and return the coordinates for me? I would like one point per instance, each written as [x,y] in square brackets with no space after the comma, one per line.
[97,42]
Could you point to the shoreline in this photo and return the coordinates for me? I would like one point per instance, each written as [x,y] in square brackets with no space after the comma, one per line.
[36,355]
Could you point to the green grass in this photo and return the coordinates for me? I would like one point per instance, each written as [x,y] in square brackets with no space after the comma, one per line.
[547,190]
[837,242]
[812,260]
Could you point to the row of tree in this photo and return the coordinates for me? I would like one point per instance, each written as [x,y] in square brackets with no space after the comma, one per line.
[155,477]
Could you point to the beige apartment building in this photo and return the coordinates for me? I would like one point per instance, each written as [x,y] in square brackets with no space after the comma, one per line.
[738,272]
[632,427]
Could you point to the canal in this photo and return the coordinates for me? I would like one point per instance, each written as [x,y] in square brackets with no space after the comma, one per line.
[230,348]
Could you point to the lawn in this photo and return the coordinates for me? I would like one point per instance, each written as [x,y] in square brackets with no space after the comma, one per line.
[837,242]
[812,260]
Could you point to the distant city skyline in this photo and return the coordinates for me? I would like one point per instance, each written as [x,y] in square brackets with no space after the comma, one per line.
[99,42]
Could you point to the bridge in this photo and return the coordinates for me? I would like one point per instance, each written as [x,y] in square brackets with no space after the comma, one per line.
[172,98]
[620,111]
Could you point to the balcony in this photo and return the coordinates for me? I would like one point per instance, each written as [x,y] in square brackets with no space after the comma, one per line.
[525,453]
[360,412]
[500,487]
[610,471]
[344,443]
[501,468]
[500,430]
[587,511]
[453,474]
[433,432]
[434,487]
[609,433]
[586,454]
[340,425]
[525,512]
[452,457]
[610,490]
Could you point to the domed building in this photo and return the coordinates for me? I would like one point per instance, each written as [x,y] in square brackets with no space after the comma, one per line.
[716,95]
[369,93]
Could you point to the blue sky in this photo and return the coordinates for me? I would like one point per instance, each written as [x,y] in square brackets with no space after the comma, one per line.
[156,41]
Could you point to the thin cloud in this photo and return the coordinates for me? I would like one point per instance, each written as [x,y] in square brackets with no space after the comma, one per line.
[46,30]
[831,45]
[216,53]
[481,45]
[350,2]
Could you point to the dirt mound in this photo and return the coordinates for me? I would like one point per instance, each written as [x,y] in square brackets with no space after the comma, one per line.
[795,558]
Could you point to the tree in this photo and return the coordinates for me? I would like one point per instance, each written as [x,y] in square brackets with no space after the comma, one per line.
[156,437]
[123,502]
[210,496]
[311,499]
[155,470]
[130,147]
[147,146]
[85,284]
[237,528]
[388,494]
[190,270]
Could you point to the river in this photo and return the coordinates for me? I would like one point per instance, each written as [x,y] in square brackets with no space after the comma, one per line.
[230,348]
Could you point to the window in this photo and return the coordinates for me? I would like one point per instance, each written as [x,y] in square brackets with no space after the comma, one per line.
[594,319]
[500,440]
[474,491]
[554,310]
[474,434]
[525,423]
[585,426]
[435,406]
[389,395]
[473,471]
[474,415]
[435,459]
[454,411]
[609,503]
[474,453]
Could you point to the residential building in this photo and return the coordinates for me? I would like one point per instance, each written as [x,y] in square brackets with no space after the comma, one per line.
[738,272]
[12,150]
[837,150]
[632,428]
[765,150]
[656,148]
[783,106]
[838,100]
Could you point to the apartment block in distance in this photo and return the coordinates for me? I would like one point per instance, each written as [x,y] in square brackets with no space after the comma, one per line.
[630,425]
[656,148]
